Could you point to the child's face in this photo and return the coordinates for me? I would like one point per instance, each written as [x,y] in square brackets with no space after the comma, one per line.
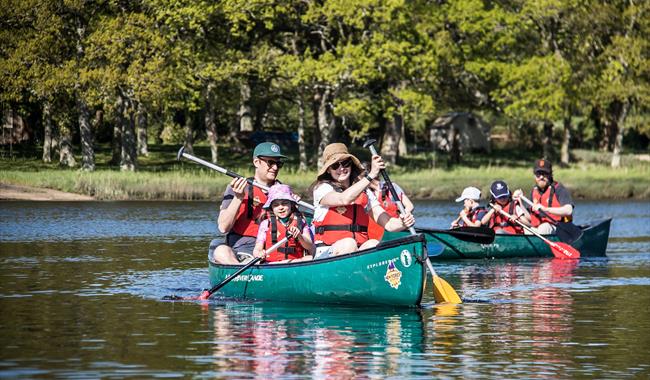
[468,203]
[281,208]
[502,201]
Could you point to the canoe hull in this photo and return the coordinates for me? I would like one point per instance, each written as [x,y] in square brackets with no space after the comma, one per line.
[392,274]
[592,243]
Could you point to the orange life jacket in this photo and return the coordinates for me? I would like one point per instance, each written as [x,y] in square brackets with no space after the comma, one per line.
[292,249]
[549,199]
[375,231]
[501,222]
[344,222]
[250,212]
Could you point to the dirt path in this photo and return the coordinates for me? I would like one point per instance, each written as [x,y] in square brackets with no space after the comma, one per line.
[27,193]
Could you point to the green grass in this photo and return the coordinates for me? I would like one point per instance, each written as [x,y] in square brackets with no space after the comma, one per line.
[161,177]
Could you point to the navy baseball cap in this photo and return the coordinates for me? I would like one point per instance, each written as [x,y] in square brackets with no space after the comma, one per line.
[499,189]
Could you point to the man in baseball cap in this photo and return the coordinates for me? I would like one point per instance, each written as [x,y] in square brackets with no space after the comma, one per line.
[552,201]
[242,206]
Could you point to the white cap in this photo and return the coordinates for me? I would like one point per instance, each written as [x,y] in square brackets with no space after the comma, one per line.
[469,193]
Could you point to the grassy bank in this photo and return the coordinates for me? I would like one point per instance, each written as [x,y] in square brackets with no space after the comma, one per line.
[161,177]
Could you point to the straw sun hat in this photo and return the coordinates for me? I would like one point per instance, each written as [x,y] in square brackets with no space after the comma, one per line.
[337,152]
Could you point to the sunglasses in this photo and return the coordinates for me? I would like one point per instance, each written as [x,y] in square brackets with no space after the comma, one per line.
[345,164]
[541,175]
[272,163]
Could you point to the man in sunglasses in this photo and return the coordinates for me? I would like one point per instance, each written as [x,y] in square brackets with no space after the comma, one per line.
[552,202]
[241,207]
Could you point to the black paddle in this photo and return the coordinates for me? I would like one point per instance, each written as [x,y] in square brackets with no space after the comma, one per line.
[205,294]
[478,235]
[182,153]
[442,291]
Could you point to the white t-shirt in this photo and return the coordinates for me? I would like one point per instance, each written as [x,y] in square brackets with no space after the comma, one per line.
[325,188]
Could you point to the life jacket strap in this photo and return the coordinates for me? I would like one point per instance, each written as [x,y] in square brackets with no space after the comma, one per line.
[351,228]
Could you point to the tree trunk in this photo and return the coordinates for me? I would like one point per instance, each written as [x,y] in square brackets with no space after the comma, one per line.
[302,150]
[189,133]
[210,123]
[402,148]
[547,140]
[129,156]
[141,123]
[390,143]
[66,158]
[47,132]
[566,141]
[245,109]
[618,142]
[326,121]
[454,145]
[118,126]
[315,136]
[86,134]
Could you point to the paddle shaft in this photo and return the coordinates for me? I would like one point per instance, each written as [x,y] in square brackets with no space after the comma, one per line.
[523,225]
[543,213]
[438,282]
[242,269]
[182,153]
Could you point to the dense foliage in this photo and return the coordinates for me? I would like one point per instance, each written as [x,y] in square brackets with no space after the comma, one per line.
[182,70]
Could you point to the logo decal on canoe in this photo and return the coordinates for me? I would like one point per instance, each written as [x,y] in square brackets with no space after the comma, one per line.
[406,258]
[393,276]
[249,278]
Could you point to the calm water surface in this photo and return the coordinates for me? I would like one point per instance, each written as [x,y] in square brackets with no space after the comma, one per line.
[81,287]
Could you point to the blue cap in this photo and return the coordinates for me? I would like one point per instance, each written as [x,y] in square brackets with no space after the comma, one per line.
[268,149]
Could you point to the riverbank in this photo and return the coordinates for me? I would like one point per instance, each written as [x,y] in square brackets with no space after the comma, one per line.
[161,177]
[28,193]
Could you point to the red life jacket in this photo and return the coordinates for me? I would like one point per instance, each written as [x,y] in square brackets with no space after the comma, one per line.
[501,222]
[472,215]
[549,199]
[250,212]
[344,222]
[375,231]
[292,249]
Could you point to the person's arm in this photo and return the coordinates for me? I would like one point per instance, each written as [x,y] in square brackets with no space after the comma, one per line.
[306,241]
[408,205]
[382,218]
[468,221]
[349,195]
[232,199]
[260,241]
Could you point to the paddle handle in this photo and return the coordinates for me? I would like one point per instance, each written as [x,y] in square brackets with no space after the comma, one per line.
[182,153]
[393,193]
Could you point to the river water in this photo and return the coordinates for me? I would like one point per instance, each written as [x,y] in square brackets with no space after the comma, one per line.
[81,287]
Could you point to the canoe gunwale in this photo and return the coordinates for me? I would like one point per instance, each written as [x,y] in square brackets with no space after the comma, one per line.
[382,245]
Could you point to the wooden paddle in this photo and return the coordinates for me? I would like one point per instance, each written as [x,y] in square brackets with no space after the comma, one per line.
[209,292]
[442,291]
[567,232]
[182,153]
[559,250]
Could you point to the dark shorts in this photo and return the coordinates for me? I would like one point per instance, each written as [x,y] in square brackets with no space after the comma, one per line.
[238,243]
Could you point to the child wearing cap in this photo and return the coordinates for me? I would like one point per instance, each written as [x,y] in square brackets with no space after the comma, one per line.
[284,219]
[501,199]
[472,212]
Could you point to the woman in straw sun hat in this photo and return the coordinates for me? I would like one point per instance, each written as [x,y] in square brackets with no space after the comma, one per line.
[343,206]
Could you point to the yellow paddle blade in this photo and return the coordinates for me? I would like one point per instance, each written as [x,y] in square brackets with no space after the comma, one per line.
[443,292]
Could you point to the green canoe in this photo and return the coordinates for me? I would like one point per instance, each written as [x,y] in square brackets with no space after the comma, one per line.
[592,243]
[393,273]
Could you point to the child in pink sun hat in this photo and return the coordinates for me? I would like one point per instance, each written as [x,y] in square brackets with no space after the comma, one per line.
[284,220]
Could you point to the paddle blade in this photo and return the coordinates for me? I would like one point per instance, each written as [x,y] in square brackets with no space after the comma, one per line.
[564,251]
[568,232]
[443,292]
[205,295]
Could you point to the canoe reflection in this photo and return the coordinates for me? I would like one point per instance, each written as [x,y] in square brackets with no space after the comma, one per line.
[331,342]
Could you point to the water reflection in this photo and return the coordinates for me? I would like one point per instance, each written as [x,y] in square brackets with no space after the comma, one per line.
[281,340]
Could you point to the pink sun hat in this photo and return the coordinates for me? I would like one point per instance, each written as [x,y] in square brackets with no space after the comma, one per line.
[279,191]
